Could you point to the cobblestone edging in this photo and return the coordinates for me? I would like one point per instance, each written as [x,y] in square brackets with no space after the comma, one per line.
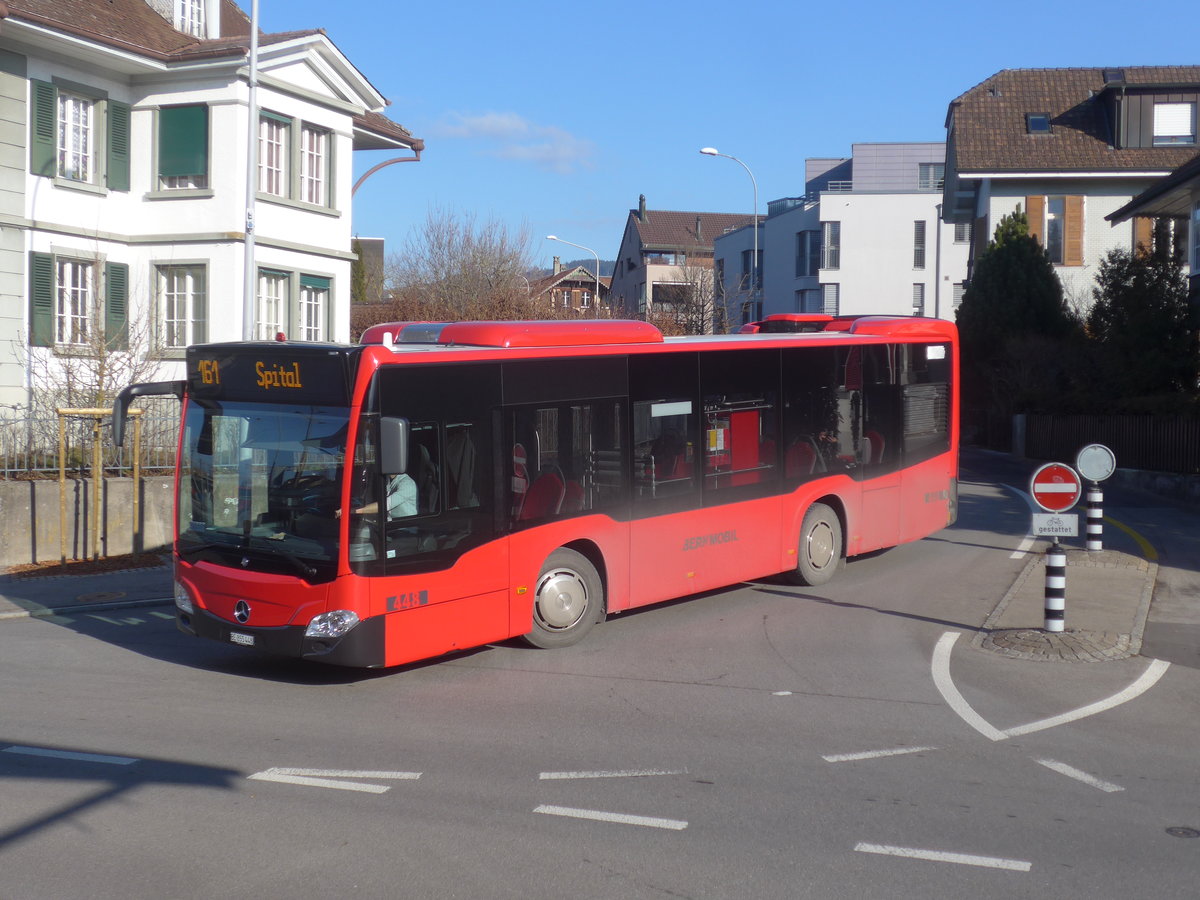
[1070,645]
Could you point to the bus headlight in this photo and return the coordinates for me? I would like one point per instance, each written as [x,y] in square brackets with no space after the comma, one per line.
[183,598]
[331,624]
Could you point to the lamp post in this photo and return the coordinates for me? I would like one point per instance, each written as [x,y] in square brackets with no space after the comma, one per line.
[596,300]
[754,293]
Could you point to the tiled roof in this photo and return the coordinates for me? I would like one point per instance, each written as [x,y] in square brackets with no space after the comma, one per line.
[1170,195]
[989,132]
[133,25]
[672,228]
[579,274]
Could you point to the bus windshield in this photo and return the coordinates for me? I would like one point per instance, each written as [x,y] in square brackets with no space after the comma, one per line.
[260,485]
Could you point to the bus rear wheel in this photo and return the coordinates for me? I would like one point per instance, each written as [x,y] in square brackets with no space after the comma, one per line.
[820,550]
[568,601]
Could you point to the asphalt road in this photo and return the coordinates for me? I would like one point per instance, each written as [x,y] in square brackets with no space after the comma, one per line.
[762,741]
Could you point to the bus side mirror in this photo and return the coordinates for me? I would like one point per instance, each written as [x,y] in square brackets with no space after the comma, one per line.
[393,445]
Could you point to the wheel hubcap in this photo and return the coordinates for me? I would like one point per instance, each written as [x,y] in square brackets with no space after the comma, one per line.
[821,551]
[561,599]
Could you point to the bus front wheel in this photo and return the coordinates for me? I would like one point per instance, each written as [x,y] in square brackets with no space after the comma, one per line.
[820,550]
[568,601]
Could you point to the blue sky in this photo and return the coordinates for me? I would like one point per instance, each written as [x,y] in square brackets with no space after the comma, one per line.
[554,117]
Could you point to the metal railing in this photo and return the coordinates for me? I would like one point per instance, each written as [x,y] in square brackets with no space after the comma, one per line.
[29,444]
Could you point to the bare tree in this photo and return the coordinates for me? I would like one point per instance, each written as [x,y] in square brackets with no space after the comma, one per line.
[454,268]
[685,306]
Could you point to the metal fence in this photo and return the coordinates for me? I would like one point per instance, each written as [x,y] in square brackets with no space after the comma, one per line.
[29,444]
[1153,443]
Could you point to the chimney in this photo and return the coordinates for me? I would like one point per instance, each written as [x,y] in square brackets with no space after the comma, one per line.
[642,208]
[699,230]
[557,265]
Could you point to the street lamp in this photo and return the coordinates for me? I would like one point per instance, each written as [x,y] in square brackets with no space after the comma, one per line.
[596,300]
[712,151]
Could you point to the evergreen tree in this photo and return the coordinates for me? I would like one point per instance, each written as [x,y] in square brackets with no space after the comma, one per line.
[1141,326]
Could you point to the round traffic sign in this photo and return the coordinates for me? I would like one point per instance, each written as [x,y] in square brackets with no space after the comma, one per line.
[1055,487]
[1096,462]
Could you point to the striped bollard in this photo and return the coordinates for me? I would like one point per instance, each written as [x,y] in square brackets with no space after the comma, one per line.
[1095,517]
[1056,587]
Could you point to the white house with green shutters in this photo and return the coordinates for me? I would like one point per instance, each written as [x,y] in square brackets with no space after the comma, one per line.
[124,145]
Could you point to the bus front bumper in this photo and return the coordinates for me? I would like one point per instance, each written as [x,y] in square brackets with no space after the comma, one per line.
[361,647]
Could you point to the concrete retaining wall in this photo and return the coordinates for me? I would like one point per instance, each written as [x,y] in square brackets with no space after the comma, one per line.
[29,519]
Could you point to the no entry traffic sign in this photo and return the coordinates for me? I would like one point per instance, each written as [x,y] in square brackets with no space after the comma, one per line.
[1055,487]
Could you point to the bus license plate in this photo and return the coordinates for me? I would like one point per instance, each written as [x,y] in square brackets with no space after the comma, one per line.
[246,640]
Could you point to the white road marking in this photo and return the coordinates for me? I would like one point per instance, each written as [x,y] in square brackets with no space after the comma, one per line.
[1079,775]
[965,859]
[326,778]
[162,615]
[1145,681]
[1028,541]
[626,773]
[68,754]
[940,668]
[874,754]
[105,619]
[618,818]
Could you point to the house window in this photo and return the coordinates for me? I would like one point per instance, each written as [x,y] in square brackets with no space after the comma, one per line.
[78,135]
[962,232]
[1174,123]
[273,155]
[831,245]
[918,300]
[183,147]
[919,244]
[314,307]
[76,144]
[189,17]
[71,305]
[808,253]
[1057,223]
[585,299]
[182,306]
[314,171]
[273,298]
[960,288]
[830,299]
[75,301]
[930,176]
[566,299]
[751,280]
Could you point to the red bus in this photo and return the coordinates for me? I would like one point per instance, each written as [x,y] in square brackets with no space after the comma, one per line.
[443,486]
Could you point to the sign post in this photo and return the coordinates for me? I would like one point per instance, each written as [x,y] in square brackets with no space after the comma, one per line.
[1095,462]
[1056,488]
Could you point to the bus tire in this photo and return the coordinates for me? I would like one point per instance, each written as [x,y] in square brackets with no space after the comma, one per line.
[820,550]
[568,600]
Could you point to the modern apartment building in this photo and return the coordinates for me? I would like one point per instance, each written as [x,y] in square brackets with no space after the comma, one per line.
[123,181]
[865,237]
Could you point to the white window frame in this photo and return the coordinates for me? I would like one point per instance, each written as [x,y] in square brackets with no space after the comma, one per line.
[313,312]
[1174,124]
[962,232]
[314,165]
[272,304]
[274,149]
[74,300]
[190,17]
[918,299]
[919,229]
[76,138]
[182,307]
[831,299]
[831,245]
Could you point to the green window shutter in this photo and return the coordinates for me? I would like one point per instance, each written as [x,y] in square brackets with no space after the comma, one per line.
[43,113]
[314,281]
[41,300]
[118,146]
[116,301]
[183,140]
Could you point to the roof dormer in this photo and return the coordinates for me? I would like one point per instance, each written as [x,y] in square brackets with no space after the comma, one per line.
[199,18]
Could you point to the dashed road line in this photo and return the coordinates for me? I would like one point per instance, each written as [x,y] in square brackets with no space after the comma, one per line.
[618,818]
[72,755]
[875,754]
[622,773]
[331,778]
[964,859]
[1079,775]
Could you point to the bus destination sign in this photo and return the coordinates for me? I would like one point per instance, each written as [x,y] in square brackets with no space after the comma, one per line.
[252,372]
